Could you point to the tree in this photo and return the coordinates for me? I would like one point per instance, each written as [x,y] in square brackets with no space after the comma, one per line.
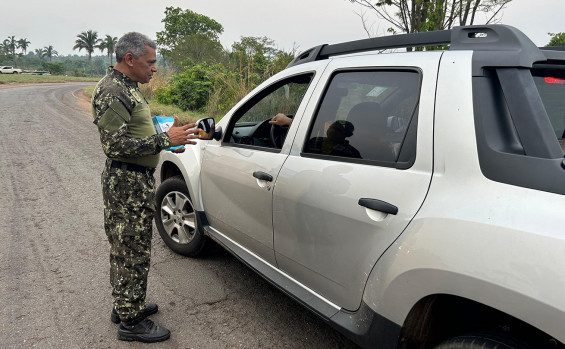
[108,44]
[556,39]
[12,44]
[179,24]
[254,56]
[23,45]
[189,38]
[194,49]
[39,52]
[49,51]
[5,47]
[87,40]
[411,16]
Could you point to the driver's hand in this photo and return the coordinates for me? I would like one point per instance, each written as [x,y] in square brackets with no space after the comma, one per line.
[280,120]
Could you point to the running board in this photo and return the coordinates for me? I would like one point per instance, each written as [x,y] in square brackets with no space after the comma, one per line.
[279,279]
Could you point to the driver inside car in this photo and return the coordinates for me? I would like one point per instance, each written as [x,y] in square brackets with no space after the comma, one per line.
[280,120]
[283,121]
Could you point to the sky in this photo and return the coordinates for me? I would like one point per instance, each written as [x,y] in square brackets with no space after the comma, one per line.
[292,24]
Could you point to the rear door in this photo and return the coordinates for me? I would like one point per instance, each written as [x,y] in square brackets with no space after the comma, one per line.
[358,172]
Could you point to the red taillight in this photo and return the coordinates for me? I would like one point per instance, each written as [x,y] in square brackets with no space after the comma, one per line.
[551,80]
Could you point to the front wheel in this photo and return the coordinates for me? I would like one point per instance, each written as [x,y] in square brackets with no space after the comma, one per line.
[176,220]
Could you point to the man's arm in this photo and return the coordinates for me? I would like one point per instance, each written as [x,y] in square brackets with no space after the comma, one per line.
[112,125]
[117,144]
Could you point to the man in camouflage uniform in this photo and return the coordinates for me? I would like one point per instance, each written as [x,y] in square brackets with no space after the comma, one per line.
[132,146]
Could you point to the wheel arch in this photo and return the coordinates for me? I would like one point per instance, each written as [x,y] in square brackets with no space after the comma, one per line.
[187,166]
[438,317]
[495,266]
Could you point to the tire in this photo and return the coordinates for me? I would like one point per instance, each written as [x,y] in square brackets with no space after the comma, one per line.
[176,220]
[482,341]
[14,72]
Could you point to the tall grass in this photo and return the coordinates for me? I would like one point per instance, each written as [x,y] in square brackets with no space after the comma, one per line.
[160,79]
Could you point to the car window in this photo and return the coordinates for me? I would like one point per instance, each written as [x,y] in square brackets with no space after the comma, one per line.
[551,87]
[367,116]
[250,124]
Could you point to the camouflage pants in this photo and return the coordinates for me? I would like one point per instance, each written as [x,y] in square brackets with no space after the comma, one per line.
[128,214]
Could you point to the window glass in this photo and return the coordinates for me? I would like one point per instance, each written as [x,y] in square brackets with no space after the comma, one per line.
[250,124]
[551,87]
[365,115]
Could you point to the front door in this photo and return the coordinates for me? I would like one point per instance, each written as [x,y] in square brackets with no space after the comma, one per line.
[239,174]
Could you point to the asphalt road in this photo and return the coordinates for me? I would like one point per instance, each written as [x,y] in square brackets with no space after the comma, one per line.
[54,287]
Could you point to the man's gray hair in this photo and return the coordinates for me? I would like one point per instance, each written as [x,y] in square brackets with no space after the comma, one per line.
[133,42]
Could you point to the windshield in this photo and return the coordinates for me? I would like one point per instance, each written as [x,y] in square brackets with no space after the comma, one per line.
[551,86]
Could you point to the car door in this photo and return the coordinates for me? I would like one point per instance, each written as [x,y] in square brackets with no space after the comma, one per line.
[239,173]
[357,174]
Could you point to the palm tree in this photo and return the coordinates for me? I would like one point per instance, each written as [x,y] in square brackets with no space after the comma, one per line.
[23,44]
[49,51]
[5,47]
[87,40]
[108,44]
[39,52]
[11,44]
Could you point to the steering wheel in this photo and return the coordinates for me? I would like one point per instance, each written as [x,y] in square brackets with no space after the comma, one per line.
[277,135]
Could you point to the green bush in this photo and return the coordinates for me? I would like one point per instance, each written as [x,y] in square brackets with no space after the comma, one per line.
[163,95]
[78,73]
[213,89]
[189,90]
[53,68]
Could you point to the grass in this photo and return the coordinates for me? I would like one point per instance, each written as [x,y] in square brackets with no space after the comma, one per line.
[26,78]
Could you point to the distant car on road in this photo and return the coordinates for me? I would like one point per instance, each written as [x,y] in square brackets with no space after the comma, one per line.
[6,69]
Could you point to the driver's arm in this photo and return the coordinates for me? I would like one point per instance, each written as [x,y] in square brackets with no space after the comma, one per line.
[280,120]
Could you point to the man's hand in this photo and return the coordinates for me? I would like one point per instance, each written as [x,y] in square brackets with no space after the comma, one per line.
[181,135]
[280,120]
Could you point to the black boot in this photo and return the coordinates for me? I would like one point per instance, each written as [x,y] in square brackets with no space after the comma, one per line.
[142,331]
[149,309]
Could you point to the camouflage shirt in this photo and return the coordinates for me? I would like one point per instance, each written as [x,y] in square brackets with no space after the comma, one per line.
[113,103]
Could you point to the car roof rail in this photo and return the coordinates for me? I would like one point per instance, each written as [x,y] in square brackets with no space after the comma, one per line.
[506,45]
[553,48]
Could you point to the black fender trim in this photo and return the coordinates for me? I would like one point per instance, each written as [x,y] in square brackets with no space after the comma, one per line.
[367,328]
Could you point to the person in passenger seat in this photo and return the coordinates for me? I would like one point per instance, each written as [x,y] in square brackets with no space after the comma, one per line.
[335,143]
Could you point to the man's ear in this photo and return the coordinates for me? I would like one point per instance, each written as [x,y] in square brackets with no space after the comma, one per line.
[128,58]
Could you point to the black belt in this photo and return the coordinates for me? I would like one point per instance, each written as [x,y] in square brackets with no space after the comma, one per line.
[131,167]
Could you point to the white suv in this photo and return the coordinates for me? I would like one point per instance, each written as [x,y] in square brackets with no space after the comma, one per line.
[417,199]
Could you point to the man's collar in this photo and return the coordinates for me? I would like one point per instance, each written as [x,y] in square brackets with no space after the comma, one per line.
[122,76]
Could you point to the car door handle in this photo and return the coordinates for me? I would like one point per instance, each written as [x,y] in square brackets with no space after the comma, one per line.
[263,176]
[378,205]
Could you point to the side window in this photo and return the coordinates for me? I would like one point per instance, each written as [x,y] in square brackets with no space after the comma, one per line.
[551,87]
[367,116]
[250,124]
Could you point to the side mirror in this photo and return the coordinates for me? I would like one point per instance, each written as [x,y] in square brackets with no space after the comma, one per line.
[208,127]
